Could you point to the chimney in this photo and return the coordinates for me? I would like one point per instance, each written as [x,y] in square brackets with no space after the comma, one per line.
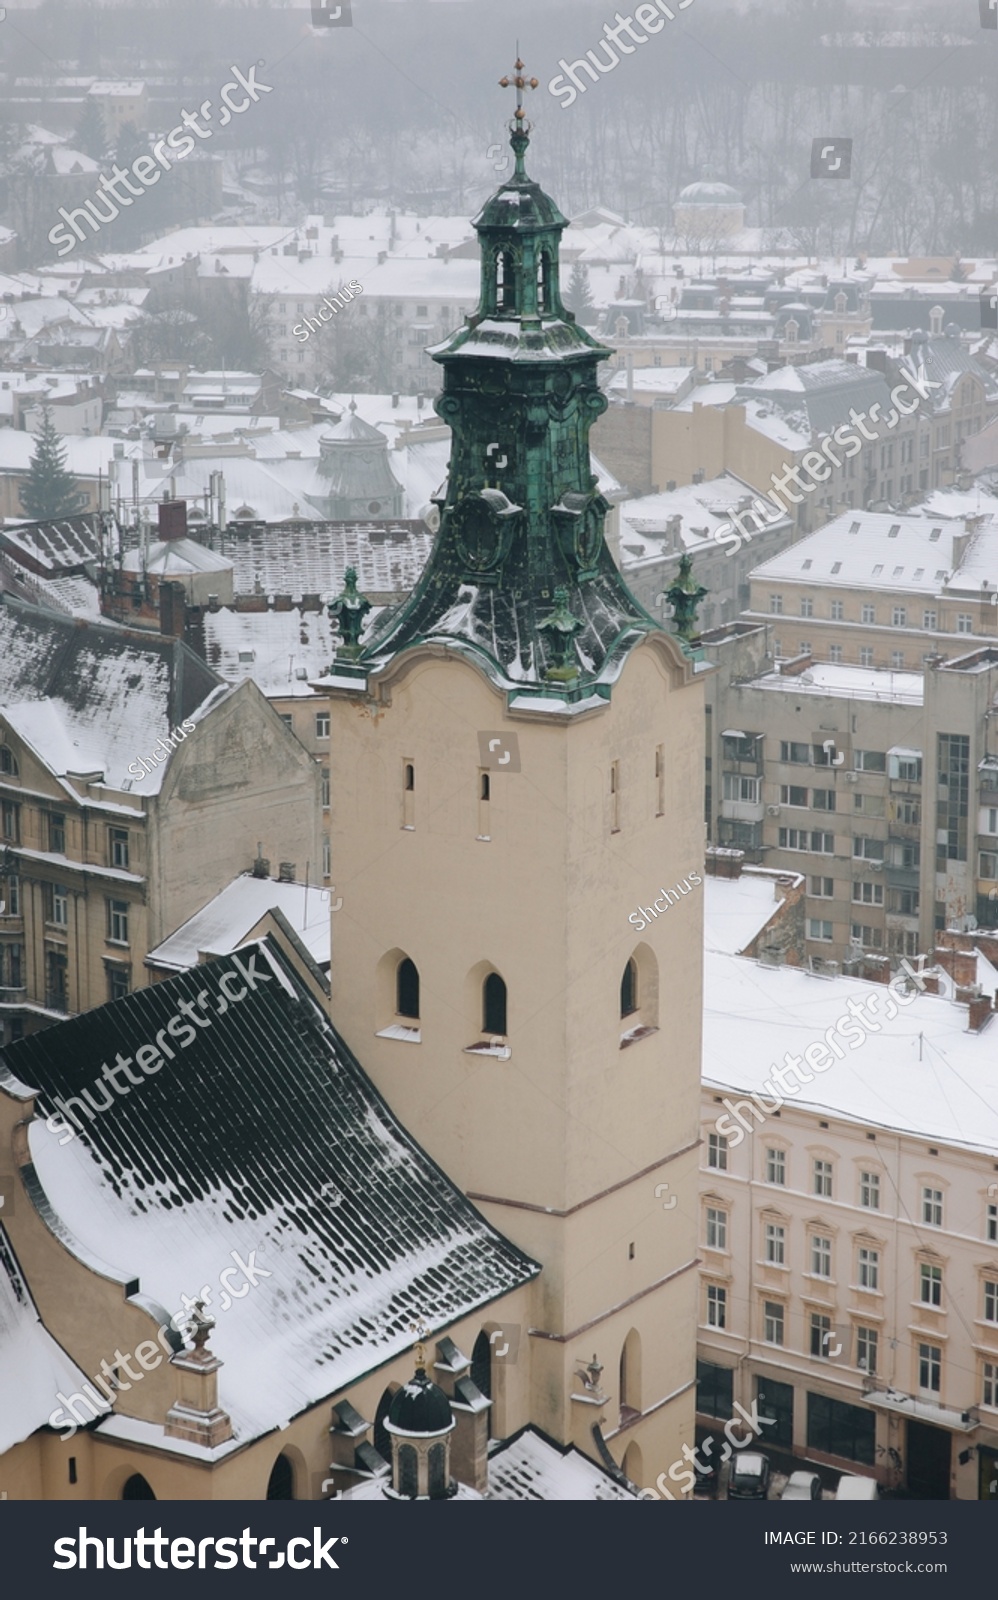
[797,665]
[261,866]
[978,1013]
[172,519]
[960,964]
[876,969]
[286,872]
[724,862]
[172,605]
[395,401]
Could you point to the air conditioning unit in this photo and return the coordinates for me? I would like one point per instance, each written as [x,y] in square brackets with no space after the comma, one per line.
[773,811]
[852,777]
[875,866]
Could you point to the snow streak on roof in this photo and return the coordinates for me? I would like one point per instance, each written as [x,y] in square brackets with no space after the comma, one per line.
[34,1368]
[264,1135]
[531,1466]
[910,553]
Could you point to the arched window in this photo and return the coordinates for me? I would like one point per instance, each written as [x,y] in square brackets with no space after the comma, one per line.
[409,775]
[494,1005]
[8,762]
[137,1489]
[630,1372]
[486,791]
[792,330]
[481,1365]
[408,1479]
[436,1482]
[407,989]
[629,989]
[282,1480]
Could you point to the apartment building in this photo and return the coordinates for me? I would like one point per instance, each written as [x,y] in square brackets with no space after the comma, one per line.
[881,589]
[880,787]
[849,1217]
[133,786]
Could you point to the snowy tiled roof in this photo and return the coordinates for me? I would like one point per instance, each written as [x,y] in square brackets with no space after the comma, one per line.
[531,1466]
[265,1136]
[225,922]
[33,1368]
[312,559]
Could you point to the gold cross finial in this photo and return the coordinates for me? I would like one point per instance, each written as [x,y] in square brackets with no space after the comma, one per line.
[419,1329]
[520,83]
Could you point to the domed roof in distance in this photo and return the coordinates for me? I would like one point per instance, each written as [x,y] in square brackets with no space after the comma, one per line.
[709,192]
[420,1409]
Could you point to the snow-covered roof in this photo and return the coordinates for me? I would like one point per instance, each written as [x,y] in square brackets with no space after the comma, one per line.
[900,553]
[703,508]
[176,557]
[282,651]
[92,698]
[226,921]
[851,683]
[754,1014]
[736,909]
[271,1140]
[34,1368]
[532,1466]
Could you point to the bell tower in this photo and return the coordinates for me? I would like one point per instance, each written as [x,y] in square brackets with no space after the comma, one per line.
[518,766]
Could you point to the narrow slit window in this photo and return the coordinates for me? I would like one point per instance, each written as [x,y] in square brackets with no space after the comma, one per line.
[494,1005]
[407,989]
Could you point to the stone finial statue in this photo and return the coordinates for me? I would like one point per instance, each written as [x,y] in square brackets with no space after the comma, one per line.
[685,596]
[348,610]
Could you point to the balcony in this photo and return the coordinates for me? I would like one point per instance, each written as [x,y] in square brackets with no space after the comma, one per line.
[907,832]
[743,810]
[902,877]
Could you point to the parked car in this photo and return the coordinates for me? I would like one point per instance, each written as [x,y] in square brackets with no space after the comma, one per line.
[707,1475]
[749,1479]
[802,1486]
[851,1487]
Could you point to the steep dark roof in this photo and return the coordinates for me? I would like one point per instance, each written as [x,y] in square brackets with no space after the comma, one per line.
[263,1135]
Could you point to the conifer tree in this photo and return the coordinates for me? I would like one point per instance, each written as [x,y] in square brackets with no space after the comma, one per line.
[49,490]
